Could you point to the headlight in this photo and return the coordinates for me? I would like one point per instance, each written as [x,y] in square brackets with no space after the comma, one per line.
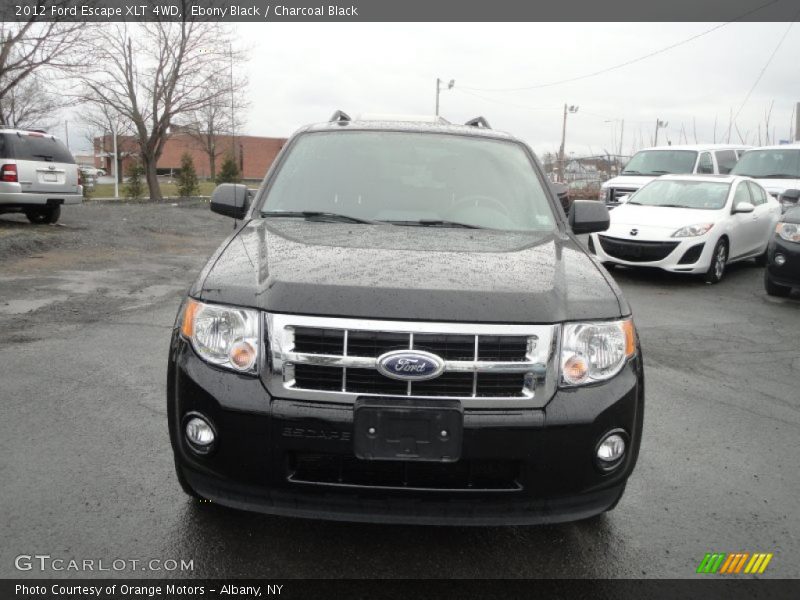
[593,352]
[693,230]
[788,231]
[227,336]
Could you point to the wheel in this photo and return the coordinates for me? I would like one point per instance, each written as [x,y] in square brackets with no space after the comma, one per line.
[773,289]
[188,489]
[719,260]
[761,259]
[41,216]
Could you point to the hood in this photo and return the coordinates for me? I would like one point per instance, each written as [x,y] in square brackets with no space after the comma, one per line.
[396,272]
[655,222]
[628,181]
[777,186]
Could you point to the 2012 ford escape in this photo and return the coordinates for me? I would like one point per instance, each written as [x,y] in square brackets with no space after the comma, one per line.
[404,328]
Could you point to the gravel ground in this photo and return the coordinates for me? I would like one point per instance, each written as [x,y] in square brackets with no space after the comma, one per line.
[86,308]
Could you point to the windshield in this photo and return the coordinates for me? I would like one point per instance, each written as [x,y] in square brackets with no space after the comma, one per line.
[766,164]
[661,162]
[704,195]
[411,179]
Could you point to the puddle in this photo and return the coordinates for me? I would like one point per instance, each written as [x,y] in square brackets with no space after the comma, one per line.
[20,307]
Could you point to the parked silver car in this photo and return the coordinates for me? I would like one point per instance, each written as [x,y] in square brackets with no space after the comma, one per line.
[38,175]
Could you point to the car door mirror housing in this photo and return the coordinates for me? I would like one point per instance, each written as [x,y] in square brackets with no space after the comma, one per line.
[744,207]
[588,216]
[793,195]
[231,200]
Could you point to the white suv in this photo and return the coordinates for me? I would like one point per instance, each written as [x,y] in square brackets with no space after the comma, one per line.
[646,165]
[777,168]
[37,175]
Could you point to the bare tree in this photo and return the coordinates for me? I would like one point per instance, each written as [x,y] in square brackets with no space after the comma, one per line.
[29,105]
[31,49]
[224,114]
[154,74]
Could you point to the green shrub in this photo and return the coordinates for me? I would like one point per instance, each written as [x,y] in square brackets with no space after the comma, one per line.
[229,171]
[134,188]
[187,177]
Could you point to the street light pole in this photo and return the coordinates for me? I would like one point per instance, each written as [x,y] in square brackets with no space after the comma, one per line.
[116,161]
[572,109]
[450,85]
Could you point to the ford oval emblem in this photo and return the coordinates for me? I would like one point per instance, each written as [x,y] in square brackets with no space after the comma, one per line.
[410,365]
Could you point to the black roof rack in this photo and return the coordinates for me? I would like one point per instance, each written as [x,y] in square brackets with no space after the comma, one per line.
[340,116]
[479,122]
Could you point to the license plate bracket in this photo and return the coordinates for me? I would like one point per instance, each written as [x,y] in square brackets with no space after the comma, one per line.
[411,430]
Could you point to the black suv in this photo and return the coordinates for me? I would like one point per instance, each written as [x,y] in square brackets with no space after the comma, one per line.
[404,328]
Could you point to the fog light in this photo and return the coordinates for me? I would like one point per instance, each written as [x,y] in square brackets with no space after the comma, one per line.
[780,260]
[611,450]
[200,433]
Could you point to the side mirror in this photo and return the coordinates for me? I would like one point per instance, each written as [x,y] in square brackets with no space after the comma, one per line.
[588,216]
[231,200]
[744,207]
[791,195]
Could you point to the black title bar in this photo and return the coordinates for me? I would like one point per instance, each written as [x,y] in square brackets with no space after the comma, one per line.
[401,10]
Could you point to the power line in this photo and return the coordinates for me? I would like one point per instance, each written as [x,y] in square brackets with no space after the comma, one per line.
[626,63]
[766,65]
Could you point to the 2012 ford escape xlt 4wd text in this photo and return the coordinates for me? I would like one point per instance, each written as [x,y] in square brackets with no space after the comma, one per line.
[404,328]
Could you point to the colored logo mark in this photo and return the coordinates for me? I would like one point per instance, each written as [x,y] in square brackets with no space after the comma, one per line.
[734,563]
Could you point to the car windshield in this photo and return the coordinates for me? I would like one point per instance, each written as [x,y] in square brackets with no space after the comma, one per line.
[703,195]
[411,179]
[661,162]
[769,164]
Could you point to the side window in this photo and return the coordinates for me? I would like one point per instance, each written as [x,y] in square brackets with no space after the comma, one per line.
[704,163]
[726,159]
[741,195]
[759,197]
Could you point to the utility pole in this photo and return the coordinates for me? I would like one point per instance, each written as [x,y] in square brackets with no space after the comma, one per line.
[659,125]
[562,166]
[621,132]
[233,115]
[116,160]
[797,123]
[439,82]
[66,134]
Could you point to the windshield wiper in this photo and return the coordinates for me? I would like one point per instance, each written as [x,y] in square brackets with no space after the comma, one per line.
[776,176]
[435,223]
[662,172]
[46,157]
[671,205]
[317,215]
[626,172]
[634,202]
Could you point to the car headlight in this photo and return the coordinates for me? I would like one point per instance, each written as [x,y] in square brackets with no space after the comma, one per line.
[693,230]
[227,336]
[595,351]
[788,231]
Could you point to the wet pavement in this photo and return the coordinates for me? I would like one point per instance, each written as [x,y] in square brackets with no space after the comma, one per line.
[85,315]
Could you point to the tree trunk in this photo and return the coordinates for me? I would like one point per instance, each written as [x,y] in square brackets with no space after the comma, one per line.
[152,179]
[212,164]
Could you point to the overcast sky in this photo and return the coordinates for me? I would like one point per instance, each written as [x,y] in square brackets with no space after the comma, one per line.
[302,72]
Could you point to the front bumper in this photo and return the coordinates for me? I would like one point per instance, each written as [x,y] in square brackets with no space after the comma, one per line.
[788,274]
[262,440]
[690,255]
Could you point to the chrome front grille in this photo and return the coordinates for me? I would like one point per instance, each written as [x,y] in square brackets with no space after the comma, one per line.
[335,360]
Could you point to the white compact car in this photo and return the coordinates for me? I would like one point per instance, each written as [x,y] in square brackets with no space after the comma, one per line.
[649,164]
[690,224]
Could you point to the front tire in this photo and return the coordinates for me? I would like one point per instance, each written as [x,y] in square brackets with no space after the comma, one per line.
[188,489]
[773,289]
[44,216]
[761,259]
[719,261]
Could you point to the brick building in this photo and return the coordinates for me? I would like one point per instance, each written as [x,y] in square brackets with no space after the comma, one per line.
[254,154]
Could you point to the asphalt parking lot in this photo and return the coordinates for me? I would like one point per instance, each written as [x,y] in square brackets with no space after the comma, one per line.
[86,308]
